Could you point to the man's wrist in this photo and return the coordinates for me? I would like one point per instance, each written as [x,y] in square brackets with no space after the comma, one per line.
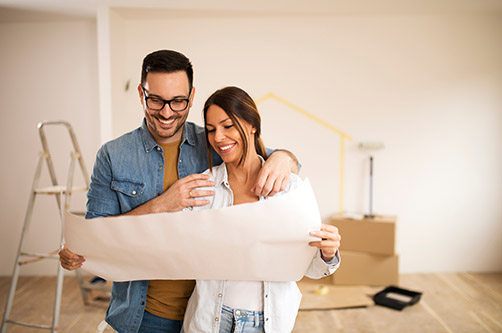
[294,166]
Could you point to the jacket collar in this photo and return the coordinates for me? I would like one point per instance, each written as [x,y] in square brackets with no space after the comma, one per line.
[150,144]
[188,135]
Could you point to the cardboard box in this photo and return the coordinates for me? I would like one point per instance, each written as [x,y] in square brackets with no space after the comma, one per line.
[376,236]
[333,297]
[359,268]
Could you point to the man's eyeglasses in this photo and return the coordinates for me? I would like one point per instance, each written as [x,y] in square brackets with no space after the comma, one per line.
[157,103]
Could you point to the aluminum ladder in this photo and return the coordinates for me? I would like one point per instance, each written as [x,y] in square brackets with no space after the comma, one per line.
[62,195]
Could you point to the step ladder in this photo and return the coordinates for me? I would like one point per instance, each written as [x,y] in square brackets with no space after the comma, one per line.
[63,196]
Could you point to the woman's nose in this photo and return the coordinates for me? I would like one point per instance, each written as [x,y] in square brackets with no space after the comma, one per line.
[218,135]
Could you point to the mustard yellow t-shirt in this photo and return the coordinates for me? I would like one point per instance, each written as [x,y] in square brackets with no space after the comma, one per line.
[169,298]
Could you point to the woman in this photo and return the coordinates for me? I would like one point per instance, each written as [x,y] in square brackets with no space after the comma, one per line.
[233,129]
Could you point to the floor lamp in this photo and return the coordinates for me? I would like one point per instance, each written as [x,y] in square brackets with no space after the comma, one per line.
[371,147]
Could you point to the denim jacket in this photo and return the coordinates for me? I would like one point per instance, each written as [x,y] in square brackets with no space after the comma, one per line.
[128,172]
[281,300]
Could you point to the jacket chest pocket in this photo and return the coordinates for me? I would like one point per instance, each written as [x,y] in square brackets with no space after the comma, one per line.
[130,193]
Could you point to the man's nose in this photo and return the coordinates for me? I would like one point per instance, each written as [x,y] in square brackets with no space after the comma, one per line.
[166,111]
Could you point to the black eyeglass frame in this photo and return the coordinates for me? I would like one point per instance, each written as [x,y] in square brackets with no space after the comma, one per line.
[166,101]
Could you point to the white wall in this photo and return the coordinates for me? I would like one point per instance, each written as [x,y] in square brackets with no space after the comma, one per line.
[428,86]
[49,72]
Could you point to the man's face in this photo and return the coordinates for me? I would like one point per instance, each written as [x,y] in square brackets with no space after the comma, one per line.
[166,125]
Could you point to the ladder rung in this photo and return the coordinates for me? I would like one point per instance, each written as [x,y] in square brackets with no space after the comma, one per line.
[58,189]
[78,213]
[15,322]
[51,255]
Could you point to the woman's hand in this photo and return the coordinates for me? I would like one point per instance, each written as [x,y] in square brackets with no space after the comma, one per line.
[70,260]
[329,243]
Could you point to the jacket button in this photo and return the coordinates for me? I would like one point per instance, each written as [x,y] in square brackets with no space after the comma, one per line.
[220,295]
[216,319]
[133,192]
[142,303]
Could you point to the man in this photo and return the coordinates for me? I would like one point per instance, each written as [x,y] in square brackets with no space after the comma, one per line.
[156,168]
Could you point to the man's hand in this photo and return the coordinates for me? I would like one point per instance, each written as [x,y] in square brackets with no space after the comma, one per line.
[181,194]
[70,260]
[329,243]
[274,174]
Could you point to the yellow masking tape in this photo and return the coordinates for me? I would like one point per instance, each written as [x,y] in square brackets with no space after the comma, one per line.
[342,135]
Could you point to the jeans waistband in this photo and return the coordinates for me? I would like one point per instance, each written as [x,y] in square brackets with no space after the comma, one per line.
[242,313]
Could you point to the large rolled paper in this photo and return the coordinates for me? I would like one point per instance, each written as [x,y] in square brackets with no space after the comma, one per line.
[261,241]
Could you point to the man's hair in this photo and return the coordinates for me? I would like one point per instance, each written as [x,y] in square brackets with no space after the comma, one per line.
[166,61]
[237,104]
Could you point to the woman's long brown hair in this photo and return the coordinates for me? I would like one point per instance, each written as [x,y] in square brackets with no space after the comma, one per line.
[237,104]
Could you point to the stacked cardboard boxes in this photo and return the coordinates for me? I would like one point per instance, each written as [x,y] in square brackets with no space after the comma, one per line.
[367,251]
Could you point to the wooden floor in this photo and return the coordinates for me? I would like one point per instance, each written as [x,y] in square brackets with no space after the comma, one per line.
[451,302]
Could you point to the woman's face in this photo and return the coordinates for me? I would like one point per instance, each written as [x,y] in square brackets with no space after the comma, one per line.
[224,136]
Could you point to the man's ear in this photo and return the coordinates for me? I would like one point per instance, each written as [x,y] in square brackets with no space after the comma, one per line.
[140,93]
[192,94]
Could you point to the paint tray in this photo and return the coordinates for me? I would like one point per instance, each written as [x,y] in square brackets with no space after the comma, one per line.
[396,298]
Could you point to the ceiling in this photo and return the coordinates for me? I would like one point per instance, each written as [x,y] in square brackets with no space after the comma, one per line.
[13,10]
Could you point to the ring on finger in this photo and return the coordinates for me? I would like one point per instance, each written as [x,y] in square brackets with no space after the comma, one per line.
[190,194]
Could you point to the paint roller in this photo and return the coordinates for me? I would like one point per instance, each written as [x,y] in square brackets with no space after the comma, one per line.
[371,146]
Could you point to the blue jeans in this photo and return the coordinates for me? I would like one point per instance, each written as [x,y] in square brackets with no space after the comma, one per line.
[154,324]
[240,321]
